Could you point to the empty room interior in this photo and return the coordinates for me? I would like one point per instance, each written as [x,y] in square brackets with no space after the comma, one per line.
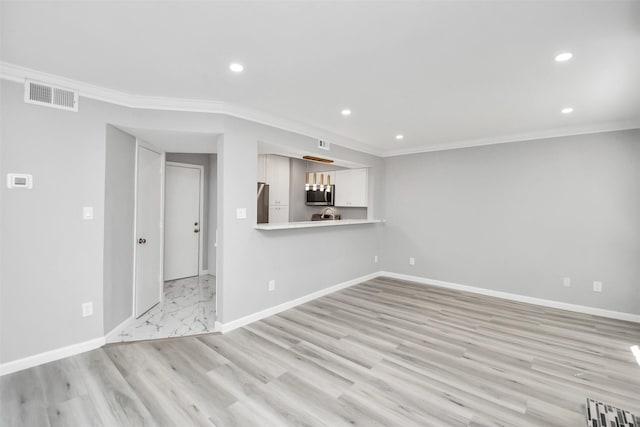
[320,213]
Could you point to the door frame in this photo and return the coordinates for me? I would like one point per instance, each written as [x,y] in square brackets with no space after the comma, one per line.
[200,212]
[143,144]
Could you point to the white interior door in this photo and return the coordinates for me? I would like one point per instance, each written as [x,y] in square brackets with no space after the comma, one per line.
[182,221]
[148,277]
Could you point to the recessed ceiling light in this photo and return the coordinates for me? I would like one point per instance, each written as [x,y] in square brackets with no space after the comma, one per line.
[236,68]
[345,112]
[565,56]
[399,136]
[567,110]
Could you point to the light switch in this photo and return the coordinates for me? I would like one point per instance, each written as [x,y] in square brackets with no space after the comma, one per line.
[87,212]
[241,213]
[87,309]
[19,180]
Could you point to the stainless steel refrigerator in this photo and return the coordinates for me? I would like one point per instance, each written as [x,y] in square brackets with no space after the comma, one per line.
[263,203]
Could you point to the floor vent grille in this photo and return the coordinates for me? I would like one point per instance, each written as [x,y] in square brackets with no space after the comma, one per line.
[50,96]
[604,415]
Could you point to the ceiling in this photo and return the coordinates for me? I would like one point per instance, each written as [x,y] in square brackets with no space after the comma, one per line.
[443,74]
[176,141]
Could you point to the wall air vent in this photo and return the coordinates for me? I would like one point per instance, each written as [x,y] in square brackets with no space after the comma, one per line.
[324,144]
[50,96]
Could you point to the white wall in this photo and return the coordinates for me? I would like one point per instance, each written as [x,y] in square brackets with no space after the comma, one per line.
[301,261]
[119,217]
[519,217]
[52,260]
[514,217]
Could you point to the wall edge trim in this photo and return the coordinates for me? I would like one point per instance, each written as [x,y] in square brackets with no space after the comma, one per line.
[245,320]
[74,349]
[16,73]
[629,317]
[50,356]
[526,137]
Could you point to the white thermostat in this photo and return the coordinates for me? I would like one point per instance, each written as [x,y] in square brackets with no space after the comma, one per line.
[19,180]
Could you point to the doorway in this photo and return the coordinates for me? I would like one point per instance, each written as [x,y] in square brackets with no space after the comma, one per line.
[184,206]
[188,288]
[174,192]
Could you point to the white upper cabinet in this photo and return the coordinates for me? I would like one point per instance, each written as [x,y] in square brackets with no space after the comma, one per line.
[277,176]
[352,188]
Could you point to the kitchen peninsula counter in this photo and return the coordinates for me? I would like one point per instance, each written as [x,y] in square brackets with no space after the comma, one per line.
[313,224]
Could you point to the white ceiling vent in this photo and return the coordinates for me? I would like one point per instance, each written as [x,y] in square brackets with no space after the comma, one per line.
[50,96]
[324,144]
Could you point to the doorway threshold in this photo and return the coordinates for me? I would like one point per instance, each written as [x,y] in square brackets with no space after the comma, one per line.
[188,309]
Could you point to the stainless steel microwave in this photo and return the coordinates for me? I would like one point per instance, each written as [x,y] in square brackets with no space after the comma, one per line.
[318,197]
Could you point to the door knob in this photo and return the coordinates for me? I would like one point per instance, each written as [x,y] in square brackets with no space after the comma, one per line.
[142,241]
[196,231]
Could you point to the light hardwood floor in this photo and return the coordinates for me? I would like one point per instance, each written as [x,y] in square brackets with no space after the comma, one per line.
[382,353]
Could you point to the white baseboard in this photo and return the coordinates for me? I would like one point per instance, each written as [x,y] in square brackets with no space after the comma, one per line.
[204,272]
[50,356]
[116,331]
[629,317]
[60,353]
[229,326]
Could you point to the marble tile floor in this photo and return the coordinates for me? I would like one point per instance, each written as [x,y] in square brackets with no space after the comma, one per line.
[188,309]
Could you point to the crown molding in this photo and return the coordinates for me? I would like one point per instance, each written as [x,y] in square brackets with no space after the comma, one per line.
[18,74]
[554,133]
[301,128]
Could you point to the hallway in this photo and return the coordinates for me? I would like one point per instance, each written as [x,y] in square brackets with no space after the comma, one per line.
[189,308]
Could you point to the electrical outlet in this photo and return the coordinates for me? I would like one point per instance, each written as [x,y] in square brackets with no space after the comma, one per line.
[412,261]
[597,286]
[566,282]
[272,285]
[87,309]
[241,213]
[375,259]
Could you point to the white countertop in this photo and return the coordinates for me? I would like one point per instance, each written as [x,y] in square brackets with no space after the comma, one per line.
[311,224]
